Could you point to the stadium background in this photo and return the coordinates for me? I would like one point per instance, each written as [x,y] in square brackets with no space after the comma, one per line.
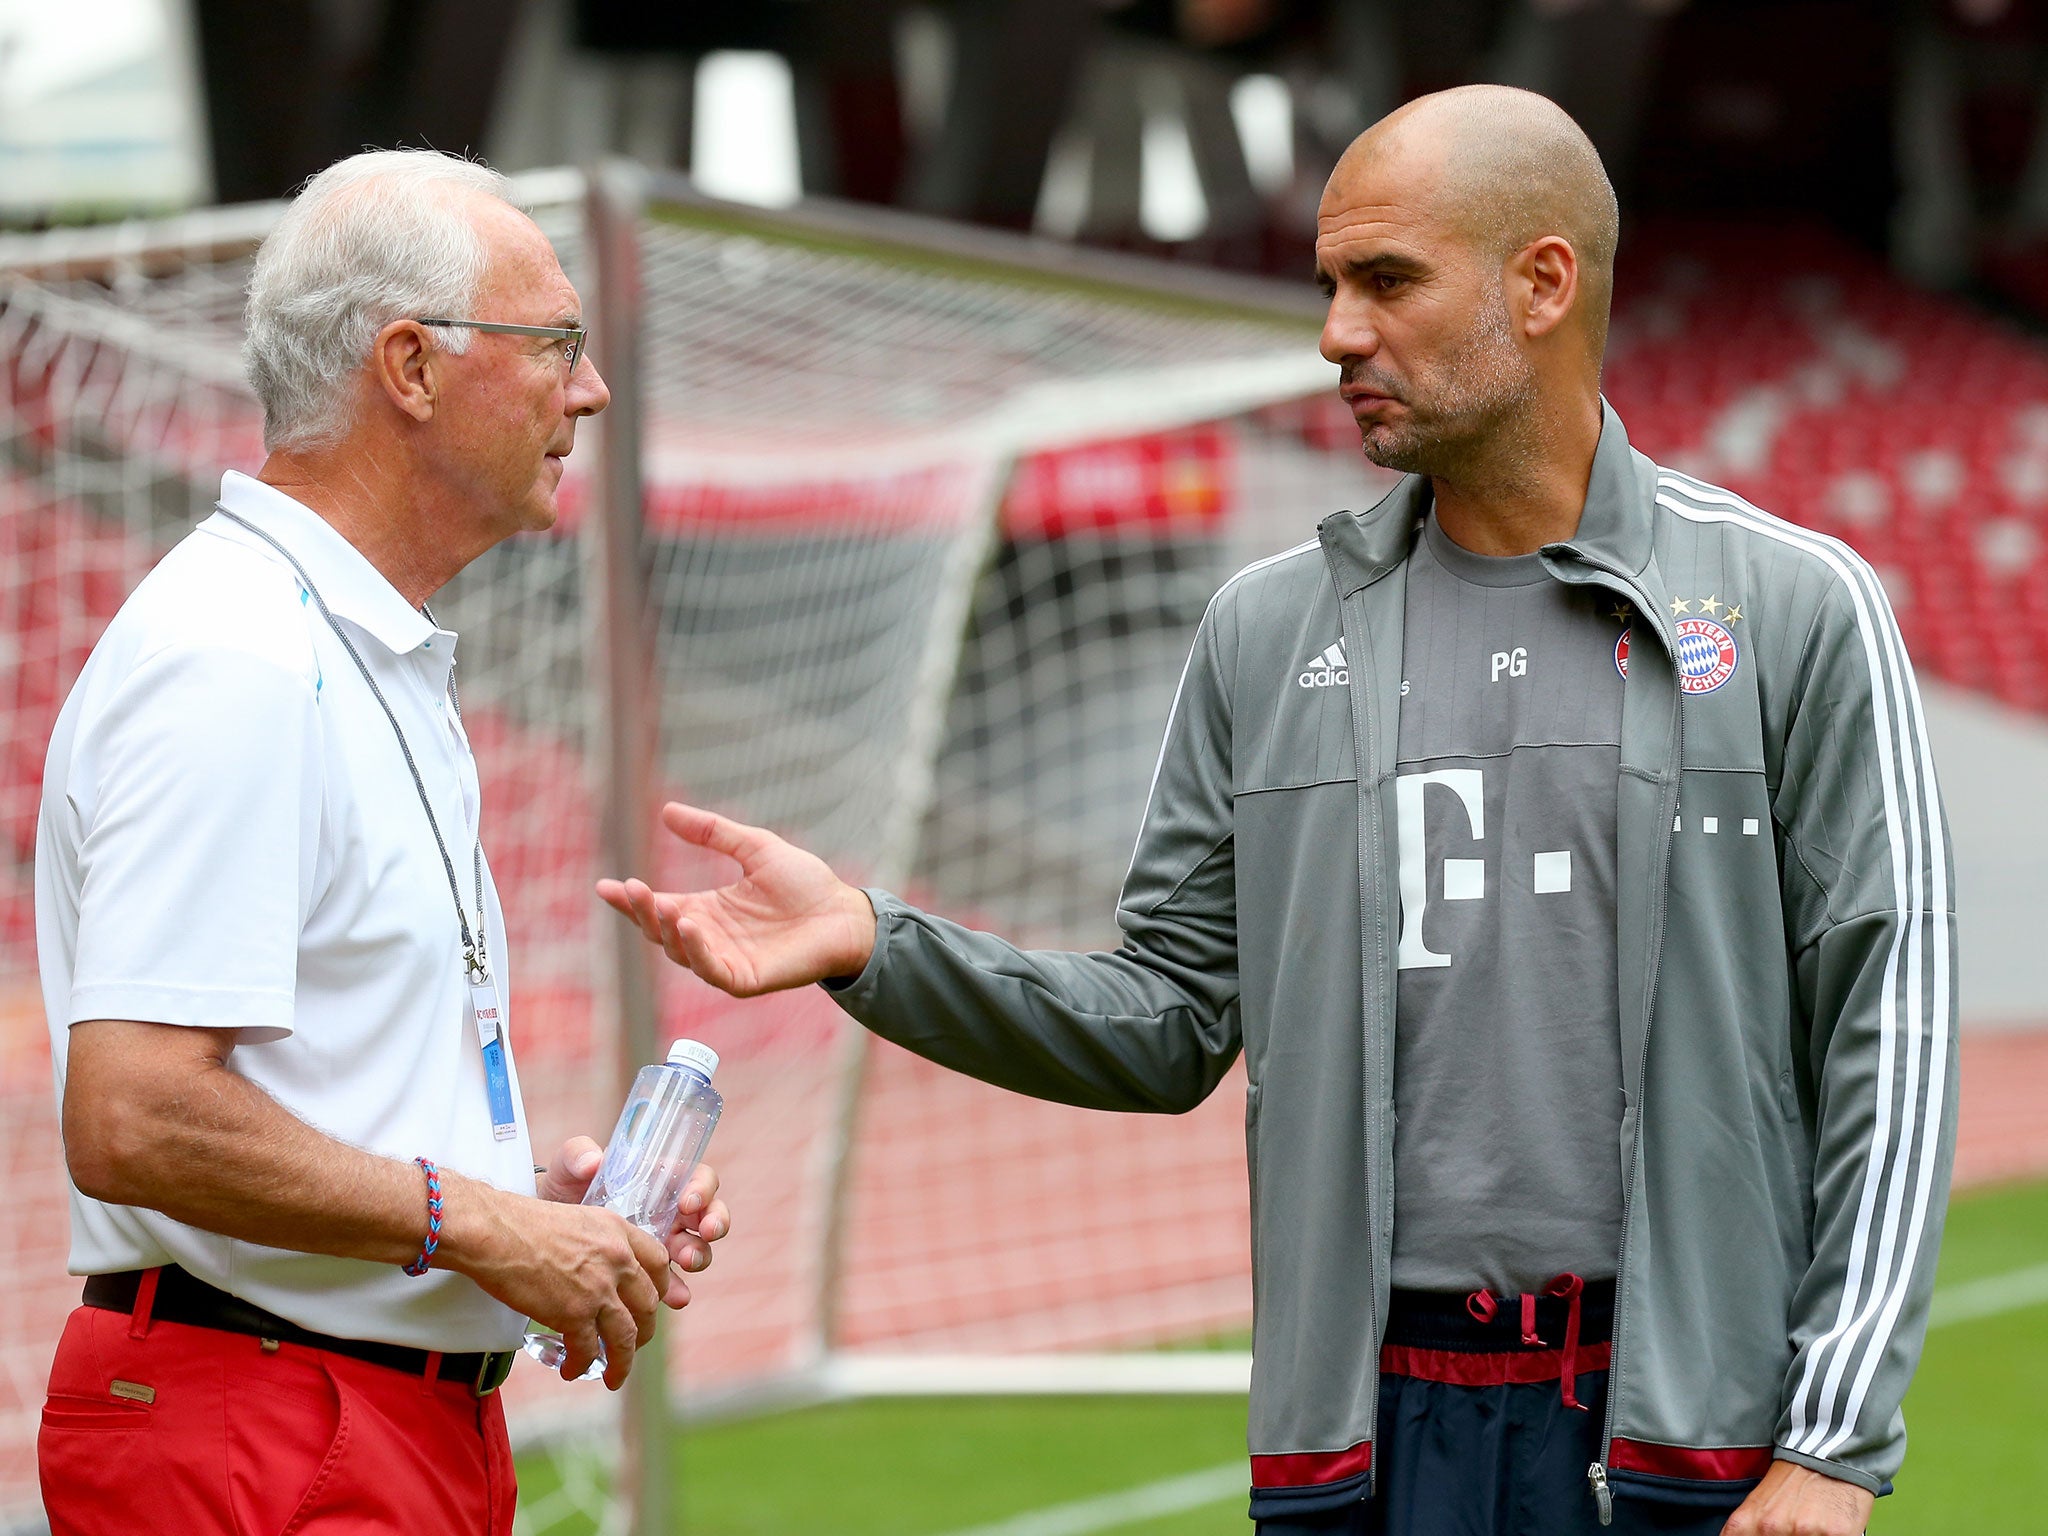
[971,345]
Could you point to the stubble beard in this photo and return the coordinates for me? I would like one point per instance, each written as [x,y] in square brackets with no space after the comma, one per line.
[1482,387]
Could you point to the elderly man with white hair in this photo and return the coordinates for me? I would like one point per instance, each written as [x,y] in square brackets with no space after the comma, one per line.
[272,954]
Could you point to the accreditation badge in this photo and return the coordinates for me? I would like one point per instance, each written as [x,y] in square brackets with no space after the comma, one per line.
[490,1034]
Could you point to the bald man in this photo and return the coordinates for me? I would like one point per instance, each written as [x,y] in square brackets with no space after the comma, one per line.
[1558,843]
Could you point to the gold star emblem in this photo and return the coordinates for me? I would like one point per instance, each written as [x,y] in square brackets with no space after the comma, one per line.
[1680,605]
[1712,605]
[1624,612]
[1734,613]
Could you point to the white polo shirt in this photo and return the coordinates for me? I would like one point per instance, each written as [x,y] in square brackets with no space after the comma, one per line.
[230,839]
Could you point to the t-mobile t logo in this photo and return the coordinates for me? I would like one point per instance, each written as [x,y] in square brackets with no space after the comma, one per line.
[1463,879]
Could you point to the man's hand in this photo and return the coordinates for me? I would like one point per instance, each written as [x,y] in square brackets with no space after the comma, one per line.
[581,1270]
[1797,1501]
[566,1179]
[701,1221]
[787,921]
[153,1116]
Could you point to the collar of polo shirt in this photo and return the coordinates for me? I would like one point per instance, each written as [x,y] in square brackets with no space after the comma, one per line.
[353,588]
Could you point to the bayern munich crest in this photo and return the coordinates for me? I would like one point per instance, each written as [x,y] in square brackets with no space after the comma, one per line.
[1707,654]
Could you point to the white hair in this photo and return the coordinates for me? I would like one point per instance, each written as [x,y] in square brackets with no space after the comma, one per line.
[371,239]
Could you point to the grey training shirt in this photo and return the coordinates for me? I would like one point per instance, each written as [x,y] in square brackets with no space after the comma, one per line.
[1507,1058]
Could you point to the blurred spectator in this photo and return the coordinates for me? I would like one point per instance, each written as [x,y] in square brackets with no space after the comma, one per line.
[1200,127]
[1973,147]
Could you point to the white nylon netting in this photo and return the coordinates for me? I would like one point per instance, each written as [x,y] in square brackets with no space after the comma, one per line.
[926,548]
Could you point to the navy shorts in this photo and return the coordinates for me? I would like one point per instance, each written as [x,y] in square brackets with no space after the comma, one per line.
[1476,1438]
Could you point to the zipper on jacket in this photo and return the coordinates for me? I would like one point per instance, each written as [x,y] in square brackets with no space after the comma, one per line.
[1668,809]
[1596,1474]
[1368,773]
[1366,726]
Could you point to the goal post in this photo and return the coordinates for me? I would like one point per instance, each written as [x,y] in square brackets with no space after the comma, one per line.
[620,672]
[893,538]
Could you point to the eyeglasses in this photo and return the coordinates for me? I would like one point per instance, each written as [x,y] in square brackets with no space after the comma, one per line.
[572,337]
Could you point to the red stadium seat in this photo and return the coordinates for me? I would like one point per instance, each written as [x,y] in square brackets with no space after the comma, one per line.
[1899,421]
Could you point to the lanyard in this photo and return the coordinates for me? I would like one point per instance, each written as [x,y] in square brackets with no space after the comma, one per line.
[483,996]
[475,953]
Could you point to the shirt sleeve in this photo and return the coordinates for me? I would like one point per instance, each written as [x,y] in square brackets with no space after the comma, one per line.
[200,831]
[1870,902]
[1151,1027]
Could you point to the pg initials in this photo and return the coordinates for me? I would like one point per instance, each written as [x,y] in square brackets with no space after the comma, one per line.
[1515,663]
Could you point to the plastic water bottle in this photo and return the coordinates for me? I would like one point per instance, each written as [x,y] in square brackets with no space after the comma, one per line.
[660,1138]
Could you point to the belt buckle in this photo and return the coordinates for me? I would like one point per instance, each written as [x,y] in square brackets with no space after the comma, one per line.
[491,1372]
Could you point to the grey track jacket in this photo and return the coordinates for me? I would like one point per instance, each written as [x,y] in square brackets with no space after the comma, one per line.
[1786,972]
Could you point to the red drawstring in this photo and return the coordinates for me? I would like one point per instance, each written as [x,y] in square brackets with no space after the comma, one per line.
[1569,1288]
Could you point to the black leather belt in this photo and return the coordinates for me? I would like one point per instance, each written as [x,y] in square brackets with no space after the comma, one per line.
[182,1297]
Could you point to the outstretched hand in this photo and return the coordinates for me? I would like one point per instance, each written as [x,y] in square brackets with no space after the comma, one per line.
[787,921]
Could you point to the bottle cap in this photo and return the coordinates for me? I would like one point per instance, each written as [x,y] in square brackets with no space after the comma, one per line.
[695,1055]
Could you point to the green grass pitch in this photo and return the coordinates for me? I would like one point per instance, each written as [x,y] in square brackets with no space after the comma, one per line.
[1977,1463]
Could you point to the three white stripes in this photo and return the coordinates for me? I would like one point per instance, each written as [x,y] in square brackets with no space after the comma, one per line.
[1919,773]
[1852,1315]
[1893,693]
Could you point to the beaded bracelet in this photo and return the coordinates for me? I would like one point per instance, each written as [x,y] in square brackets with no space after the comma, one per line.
[420,1265]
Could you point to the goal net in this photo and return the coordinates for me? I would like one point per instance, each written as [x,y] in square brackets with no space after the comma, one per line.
[927,521]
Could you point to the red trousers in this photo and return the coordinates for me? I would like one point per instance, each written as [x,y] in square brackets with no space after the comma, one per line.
[243,1441]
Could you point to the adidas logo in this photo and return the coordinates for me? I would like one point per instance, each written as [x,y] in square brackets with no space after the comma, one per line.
[1326,671]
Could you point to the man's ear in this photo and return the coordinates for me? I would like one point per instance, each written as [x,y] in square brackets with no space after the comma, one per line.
[404,362]
[1545,275]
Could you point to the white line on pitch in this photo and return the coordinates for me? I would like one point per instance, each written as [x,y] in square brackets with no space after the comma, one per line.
[1149,1501]
[1990,1296]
